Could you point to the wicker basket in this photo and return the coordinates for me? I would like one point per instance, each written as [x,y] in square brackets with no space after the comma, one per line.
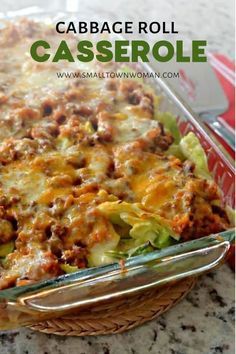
[119,315]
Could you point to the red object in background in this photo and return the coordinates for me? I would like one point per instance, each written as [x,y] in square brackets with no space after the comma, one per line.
[229,117]
[229,89]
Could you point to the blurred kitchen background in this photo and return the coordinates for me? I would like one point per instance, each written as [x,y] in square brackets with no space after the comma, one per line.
[195,19]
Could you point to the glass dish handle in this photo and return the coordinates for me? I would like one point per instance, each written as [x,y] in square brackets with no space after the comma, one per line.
[130,278]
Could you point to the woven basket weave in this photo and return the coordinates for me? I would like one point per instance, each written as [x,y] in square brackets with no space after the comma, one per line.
[119,315]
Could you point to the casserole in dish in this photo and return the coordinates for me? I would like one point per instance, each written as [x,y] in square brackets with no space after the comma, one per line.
[93,171]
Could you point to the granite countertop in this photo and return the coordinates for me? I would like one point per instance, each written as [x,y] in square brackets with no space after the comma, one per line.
[204,321]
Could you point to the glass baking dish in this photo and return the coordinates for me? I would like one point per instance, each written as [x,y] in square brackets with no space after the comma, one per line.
[52,298]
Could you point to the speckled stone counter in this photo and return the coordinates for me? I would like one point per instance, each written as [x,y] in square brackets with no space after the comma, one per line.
[203,323]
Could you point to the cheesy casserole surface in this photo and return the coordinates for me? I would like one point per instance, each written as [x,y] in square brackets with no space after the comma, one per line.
[90,170]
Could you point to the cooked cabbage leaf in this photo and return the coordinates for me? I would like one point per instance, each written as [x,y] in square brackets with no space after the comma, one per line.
[67,268]
[193,151]
[149,229]
[170,124]
[112,210]
[98,255]
[145,227]
[6,248]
